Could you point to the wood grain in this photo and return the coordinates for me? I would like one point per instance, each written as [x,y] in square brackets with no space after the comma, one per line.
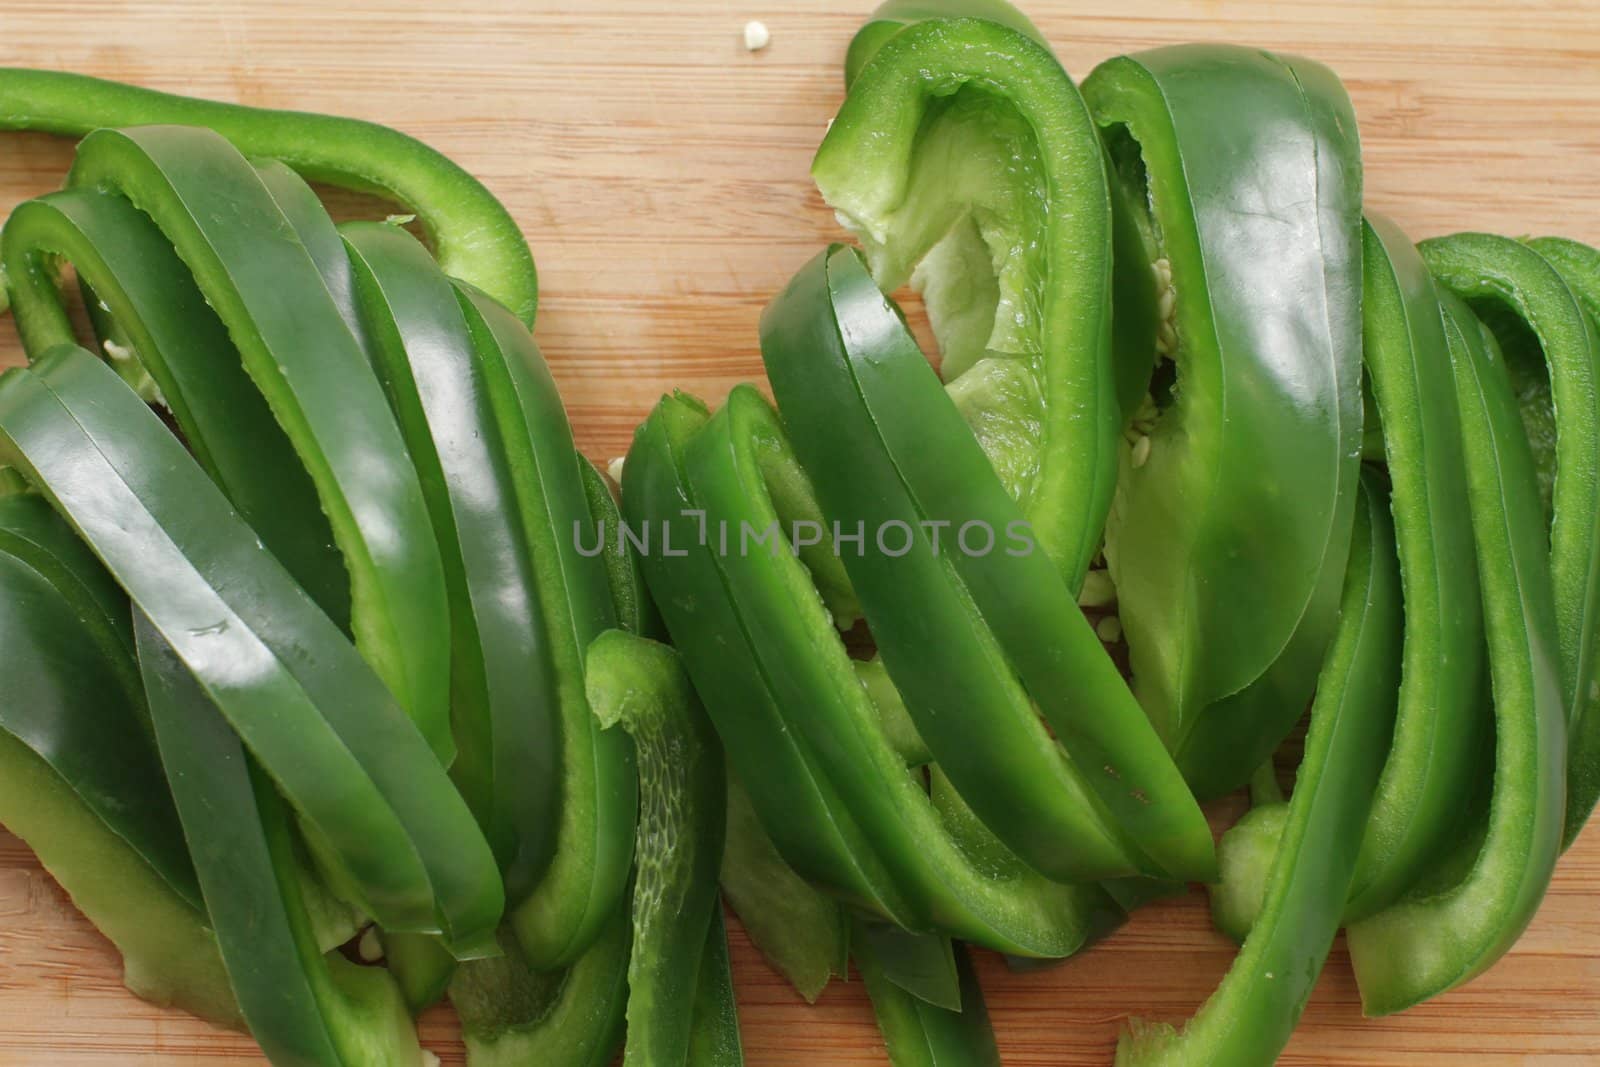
[660,173]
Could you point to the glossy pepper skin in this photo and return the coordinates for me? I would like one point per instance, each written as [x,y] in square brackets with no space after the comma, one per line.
[925,863]
[1532,299]
[302,1007]
[1249,1018]
[80,778]
[320,721]
[966,161]
[1228,535]
[1435,939]
[476,239]
[919,1034]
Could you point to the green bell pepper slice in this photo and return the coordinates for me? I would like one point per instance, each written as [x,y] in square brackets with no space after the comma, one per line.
[475,237]
[966,161]
[884,445]
[81,781]
[319,720]
[168,329]
[513,1015]
[503,687]
[801,931]
[250,263]
[1249,1018]
[302,1007]
[640,686]
[1541,302]
[917,1033]
[1231,521]
[587,876]
[1438,938]
[895,15]
[1442,724]
[799,730]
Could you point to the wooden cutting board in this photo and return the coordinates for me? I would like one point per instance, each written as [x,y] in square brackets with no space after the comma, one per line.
[660,171]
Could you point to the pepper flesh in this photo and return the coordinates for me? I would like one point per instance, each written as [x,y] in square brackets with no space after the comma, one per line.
[1228,534]
[964,151]
[1429,942]
[1250,1016]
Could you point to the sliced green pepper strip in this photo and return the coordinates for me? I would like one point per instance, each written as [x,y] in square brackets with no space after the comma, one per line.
[963,150]
[319,720]
[1249,1019]
[714,1039]
[1437,939]
[302,1007]
[802,932]
[863,388]
[252,267]
[179,340]
[635,611]
[587,876]
[1561,411]
[504,694]
[641,686]
[919,1034]
[1231,523]
[513,1016]
[475,237]
[1442,724]
[800,730]
[81,783]
[895,15]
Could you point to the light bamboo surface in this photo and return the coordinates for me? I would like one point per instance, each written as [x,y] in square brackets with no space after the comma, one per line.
[660,172]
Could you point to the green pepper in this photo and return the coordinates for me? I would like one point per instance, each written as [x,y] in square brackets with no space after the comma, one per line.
[170,332]
[80,778]
[513,1015]
[1231,521]
[503,689]
[854,388]
[1442,723]
[320,721]
[640,686]
[965,159]
[1249,1018]
[1436,938]
[828,785]
[475,237]
[802,932]
[1541,305]
[917,1033]
[302,1007]
[587,876]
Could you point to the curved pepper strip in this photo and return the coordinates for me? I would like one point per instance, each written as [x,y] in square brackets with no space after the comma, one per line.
[1228,534]
[585,881]
[81,783]
[799,729]
[474,236]
[513,1015]
[319,720]
[302,1007]
[884,445]
[895,15]
[1442,723]
[963,150]
[253,268]
[181,343]
[503,689]
[1249,1018]
[1430,942]
[1536,308]
[919,1034]
[640,686]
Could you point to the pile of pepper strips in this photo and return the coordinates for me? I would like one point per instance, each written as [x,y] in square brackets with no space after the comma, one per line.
[312,652]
